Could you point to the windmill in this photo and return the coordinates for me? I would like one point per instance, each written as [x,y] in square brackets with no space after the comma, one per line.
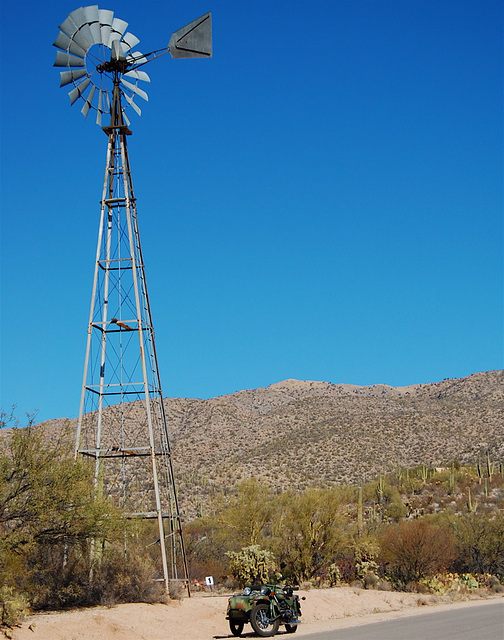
[122,425]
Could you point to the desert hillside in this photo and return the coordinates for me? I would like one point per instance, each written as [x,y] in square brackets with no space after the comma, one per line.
[300,433]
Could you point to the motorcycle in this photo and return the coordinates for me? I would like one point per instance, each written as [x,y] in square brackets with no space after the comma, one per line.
[265,607]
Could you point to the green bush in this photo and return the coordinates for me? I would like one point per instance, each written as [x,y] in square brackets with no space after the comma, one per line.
[334,575]
[13,607]
[251,565]
[480,543]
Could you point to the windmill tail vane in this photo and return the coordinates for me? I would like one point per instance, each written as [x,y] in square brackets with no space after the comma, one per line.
[122,427]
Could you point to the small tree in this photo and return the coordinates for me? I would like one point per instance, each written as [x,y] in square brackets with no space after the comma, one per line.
[309,530]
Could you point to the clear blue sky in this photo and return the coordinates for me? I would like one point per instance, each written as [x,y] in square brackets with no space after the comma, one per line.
[322,200]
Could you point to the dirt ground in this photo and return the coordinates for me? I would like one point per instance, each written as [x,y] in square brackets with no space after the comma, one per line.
[202,617]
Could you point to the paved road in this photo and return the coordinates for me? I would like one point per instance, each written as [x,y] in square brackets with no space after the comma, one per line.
[485,621]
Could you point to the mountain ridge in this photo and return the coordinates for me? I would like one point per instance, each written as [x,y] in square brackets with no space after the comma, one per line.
[295,434]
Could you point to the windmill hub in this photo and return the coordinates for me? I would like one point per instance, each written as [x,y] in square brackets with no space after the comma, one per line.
[119,66]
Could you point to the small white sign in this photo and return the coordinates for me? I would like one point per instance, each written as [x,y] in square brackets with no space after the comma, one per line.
[209,581]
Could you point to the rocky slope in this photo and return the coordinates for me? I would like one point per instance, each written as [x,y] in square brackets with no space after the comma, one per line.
[300,433]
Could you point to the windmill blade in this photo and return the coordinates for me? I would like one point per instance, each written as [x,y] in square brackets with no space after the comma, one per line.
[93,20]
[101,105]
[84,32]
[65,43]
[118,28]
[71,27]
[138,75]
[194,40]
[135,89]
[78,17]
[124,48]
[130,40]
[68,27]
[99,114]
[88,102]
[106,18]
[137,58]
[125,118]
[75,93]
[71,76]
[66,60]
[131,102]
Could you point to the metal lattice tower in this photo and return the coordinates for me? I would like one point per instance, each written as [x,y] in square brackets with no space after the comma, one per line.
[122,423]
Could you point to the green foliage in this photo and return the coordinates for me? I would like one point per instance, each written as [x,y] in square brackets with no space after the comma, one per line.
[46,497]
[386,499]
[365,551]
[334,575]
[309,530]
[13,607]
[318,530]
[248,513]
[49,518]
[480,543]
[251,565]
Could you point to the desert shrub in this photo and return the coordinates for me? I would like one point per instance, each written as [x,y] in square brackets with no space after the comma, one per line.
[55,576]
[206,544]
[386,498]
[416,549]
[13,607]
[120,577]
[346,565]
[251,565]
[480,543]
[365,550]
[176,589]
[370,580]
[469,581]
[449,583]
[334,575]
[495,585]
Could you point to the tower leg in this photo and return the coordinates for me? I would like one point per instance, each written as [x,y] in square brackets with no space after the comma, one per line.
[122,421]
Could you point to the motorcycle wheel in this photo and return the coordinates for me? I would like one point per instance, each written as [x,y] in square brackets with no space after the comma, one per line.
[236,627]
[261,621]
[291,628]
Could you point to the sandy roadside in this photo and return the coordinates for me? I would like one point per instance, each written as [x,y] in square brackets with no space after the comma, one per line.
[203,616]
